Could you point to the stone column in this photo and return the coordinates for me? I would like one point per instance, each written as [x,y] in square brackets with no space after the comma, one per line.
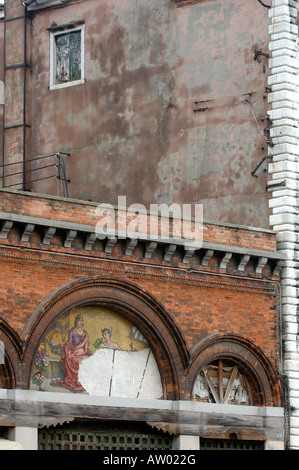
[185,442]
[284,186]
[274,445]
[27,437]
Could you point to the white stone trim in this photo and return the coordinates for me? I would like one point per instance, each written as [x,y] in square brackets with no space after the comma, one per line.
[284,202]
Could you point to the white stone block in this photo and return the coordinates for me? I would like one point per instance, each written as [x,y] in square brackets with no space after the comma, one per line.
[289,301]
[290,291]
[290,311]
[284,113]
[276,193]
[294,398]
[278,3]
[285,121]
[283,44]
[284,148]
[283,78]
[289,273]
[282,166]
[274,445]
[294,421]
[283,95]
[291,131]
[294,375]
[277,11]
[292,366]
[282,61]
[27,437]
[282,201]
[292,328]
[286,210]
[290,346]
[286,236]
[184,442]
[292,357]
[285,104]
[284,52]
[284,140]
[283,35]
[289,282]
[294,442]
[285,175]
[284,26]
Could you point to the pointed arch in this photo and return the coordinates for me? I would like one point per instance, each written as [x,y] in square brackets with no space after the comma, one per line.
[12,345]
[127,299]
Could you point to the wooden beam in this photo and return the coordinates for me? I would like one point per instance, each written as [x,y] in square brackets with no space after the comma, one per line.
[220,380]
[211,387]
[230,384]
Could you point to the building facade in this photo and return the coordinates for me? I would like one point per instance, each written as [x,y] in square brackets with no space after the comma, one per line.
[117,116]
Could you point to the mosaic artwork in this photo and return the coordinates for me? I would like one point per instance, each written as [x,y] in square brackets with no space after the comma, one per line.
[96,351]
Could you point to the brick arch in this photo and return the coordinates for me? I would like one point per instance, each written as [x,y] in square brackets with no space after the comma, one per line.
[264,383]
[128,300]
[12,355]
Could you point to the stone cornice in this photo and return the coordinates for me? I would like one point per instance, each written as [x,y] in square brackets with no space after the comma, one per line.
[27,225]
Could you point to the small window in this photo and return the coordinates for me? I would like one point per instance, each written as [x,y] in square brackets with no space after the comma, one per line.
[67,58]
[221,382]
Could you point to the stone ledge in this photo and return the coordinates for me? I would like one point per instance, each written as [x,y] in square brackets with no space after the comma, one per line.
[27,226]
[38,409]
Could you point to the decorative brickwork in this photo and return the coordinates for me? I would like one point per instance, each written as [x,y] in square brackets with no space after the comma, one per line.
[261,376]
[174,308]
[178,123]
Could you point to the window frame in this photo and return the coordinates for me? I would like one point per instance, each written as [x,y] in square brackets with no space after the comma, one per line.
[53,84]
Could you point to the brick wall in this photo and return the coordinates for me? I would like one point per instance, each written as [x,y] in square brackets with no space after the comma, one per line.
[188,305]
[80,212]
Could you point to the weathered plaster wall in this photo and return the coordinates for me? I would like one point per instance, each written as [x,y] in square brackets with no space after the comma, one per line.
[1,78]
[131,128]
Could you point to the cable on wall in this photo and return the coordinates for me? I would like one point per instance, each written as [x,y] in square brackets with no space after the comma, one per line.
[264,5]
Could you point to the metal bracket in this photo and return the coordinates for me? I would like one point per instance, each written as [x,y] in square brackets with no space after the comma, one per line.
[258,54]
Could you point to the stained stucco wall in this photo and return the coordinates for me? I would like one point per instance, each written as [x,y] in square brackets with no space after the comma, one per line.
[132,128]
[1,89]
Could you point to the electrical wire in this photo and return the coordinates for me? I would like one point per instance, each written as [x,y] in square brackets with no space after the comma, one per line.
[61,174]
[255,119]
[264,5]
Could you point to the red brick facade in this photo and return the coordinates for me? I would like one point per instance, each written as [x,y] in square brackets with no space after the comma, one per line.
[177,307]
[169,108]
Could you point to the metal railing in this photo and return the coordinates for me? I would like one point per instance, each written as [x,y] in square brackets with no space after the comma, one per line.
[60,173]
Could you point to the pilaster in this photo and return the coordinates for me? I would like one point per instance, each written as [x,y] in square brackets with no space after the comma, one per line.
[284,171]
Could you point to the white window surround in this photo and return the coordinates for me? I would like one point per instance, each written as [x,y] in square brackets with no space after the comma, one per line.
[56,86]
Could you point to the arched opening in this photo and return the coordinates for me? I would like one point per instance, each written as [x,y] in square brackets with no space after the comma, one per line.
[10,353]
[222,382]
[5,377]
[131,305]
[230,369]
[91,349]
